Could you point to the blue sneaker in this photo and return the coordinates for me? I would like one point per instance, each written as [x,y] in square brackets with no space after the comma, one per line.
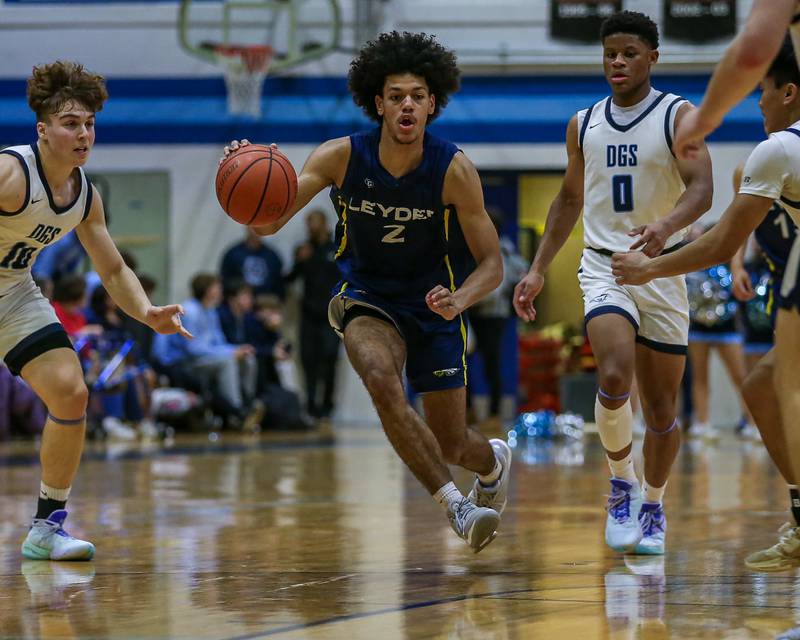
[47,540]
[622,525]
[654,529]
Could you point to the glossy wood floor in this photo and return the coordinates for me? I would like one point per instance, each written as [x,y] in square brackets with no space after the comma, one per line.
[315,537]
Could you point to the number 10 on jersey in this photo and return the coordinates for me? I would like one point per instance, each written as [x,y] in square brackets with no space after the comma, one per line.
[622,193]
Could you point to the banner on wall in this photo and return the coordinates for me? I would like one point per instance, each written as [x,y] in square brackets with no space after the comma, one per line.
[580,19]
[699,20]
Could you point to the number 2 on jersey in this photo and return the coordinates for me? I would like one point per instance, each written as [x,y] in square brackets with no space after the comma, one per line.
[622,193]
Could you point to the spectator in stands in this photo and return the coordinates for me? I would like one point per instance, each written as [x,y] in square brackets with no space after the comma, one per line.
[489,317]
[69,300]
[227,368]
[141,333]
[319,345]
[21,411]
[268,310]
[254,262]
[241,326]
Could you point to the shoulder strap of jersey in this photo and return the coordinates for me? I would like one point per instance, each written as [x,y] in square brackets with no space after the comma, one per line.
[677,100]
[18,156]
[89,195]
[585,124]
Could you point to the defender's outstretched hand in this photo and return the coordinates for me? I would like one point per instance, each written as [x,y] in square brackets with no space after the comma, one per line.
[167,320]
[631,268]
[442,301]
[525,293]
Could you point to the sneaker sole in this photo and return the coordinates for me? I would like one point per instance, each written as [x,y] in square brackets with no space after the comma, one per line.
[483,532]
[772,568]
[648,551]
[34,552]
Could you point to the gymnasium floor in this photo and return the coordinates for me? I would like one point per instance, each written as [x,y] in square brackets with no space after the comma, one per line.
[321,537]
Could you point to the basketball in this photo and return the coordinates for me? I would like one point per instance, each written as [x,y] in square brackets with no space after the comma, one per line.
[256,185]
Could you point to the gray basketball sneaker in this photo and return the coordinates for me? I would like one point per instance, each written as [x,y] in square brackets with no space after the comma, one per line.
[494,496]
[47,540]
[782,556]
[476,525]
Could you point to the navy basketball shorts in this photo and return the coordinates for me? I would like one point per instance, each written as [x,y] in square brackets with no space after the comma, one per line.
[435,347]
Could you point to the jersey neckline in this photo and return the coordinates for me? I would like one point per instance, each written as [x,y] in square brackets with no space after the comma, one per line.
[633,123]
[40,169]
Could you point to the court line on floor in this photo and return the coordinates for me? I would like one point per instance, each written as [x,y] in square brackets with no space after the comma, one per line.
[31,459]
[511,595]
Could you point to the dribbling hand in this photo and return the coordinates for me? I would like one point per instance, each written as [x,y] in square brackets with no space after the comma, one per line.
[524,294]
[235,145]
[167,320]
[442,301]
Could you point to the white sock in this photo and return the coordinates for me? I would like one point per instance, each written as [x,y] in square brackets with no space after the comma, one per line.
[653,494]
[447,495]
[46,492]
[623,468]
[491,477]
[615,426]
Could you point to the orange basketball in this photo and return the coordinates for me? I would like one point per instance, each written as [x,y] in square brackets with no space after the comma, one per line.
[256,184]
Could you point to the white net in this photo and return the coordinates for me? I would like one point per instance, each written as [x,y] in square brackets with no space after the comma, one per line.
[245,70]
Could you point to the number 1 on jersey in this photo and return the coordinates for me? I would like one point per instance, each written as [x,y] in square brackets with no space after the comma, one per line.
[19,257]
[622,193]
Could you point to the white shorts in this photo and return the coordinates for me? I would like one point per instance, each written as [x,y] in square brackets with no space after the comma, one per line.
[658,310]
[28,326]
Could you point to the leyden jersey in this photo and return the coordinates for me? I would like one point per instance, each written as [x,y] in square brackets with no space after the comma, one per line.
[38,222]
[395,237]
[631,176]
[775,235]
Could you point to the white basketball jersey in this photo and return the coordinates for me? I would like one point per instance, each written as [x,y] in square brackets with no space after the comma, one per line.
[631,176]
[23,233]
[773,170]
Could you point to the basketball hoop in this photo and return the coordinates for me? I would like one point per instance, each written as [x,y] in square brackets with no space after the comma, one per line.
[246,68]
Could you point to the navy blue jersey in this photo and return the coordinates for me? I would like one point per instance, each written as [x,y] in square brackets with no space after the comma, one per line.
[775,236]
[395,237]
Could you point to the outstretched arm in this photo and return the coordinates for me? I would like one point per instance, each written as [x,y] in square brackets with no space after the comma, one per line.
[714,247]
[119,280]
[739,71]
[561,220]
[742,285]
[462,189]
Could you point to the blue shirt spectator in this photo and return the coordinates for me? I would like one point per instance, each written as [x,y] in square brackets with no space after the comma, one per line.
[256,264]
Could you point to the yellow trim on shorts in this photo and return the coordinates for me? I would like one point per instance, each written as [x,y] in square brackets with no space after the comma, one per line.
[453,288]
[343,217]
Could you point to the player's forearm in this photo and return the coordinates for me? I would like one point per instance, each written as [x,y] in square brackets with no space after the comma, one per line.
[126,291]
[737,261]
[692,204]
[714,247]
[486,277]
[561,220]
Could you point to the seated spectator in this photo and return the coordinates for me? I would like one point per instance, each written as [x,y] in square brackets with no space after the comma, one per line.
[69,300]
[209,358]
[140,332]
[256,264]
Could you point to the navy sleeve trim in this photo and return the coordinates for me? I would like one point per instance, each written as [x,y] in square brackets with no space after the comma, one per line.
[667,134]
[584,126]
[27,183]
[89,196]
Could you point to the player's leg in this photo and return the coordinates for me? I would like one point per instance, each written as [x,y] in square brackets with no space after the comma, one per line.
[613,336]
[445,413]
[699,355]
[377,352]
[732,356]
[759,393]
[659,374]
[57,378]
